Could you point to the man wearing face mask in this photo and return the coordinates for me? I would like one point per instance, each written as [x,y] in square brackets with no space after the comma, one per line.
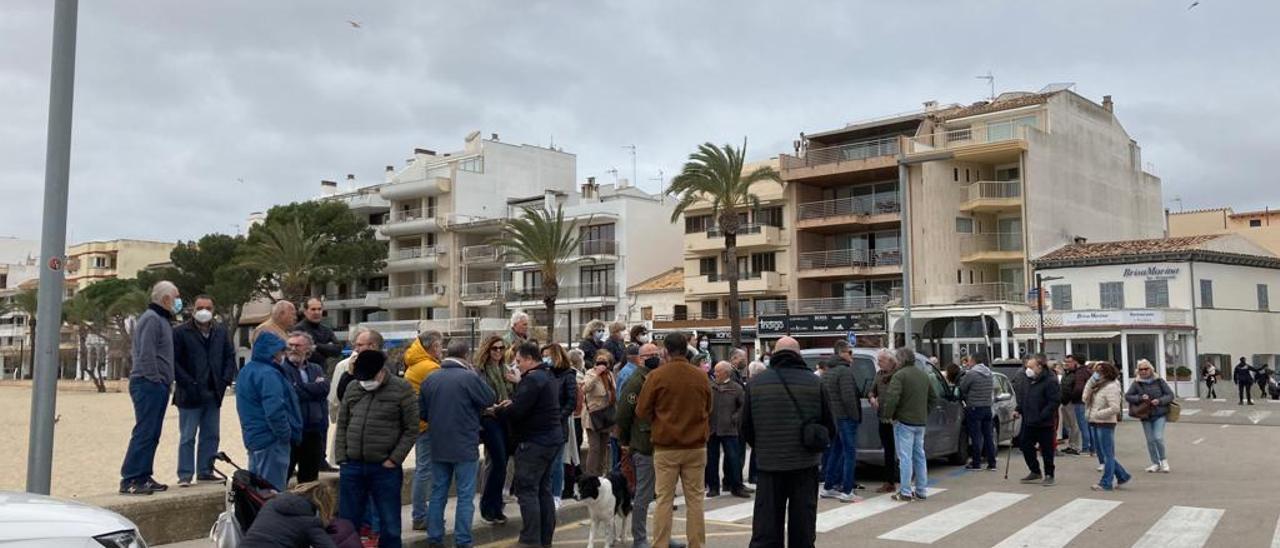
[640,335]
[149,388]
[377,426]
[1038,403]
[270,419]
[633,434]
[204,364]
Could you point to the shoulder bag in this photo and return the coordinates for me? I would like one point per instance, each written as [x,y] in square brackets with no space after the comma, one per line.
[814,437]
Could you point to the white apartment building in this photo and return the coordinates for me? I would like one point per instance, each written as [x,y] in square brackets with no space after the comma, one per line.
[992,185]
[353,302]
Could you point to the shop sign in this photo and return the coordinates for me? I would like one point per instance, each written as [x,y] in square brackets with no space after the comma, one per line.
[1113,317]
[820,323]
[1153,272]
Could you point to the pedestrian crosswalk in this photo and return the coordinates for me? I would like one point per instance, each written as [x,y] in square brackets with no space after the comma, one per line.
[1224,412]
[1190,412]
[1178,527]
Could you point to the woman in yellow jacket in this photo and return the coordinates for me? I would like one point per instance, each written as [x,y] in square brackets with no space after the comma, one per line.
[420,361]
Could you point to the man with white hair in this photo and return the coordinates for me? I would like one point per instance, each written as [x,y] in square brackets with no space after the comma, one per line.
[283,315]
[519,330]
[149,384]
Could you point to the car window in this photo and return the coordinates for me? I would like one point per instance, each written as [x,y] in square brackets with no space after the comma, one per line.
[864,373]
[1001,385]
[935,379]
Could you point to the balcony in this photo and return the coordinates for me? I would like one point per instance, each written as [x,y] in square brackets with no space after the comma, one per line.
[568,296]
[824,161]
[694,320]
[991,247]
[829,305]
[990,141]
[355,299]
[993,197]
[838,262]
[983,293]
[415,258]
[749,235]
[870,209]
[404,222]
[424,184]
[749,283]
[476,255]
[598,248]
[481,293]
[415,296]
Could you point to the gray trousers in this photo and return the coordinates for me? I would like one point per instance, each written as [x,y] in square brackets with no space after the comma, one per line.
[643,497]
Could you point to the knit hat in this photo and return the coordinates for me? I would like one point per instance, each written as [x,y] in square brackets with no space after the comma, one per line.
[368,364]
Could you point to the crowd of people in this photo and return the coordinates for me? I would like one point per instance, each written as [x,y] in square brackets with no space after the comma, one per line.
[617,404]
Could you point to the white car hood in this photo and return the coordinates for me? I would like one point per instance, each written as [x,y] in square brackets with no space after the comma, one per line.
[27,516]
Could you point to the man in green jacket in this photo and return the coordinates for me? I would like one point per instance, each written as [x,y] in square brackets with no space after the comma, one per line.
[633,435]
[907,404]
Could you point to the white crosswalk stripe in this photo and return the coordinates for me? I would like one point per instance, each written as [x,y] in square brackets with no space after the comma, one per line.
[1224,413]
[1189,412]
[935,527]
[1275,538]
[733,512]
[1057,528]
[1190,399]
[848,513]
[1181,527]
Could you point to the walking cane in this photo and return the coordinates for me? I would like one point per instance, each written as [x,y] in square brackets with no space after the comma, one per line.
[1009,456]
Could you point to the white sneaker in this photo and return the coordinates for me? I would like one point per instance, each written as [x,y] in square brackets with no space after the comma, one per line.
[1153,468]
[556,500]
[1102,467]
[848,497]
[1164,466]
[829,494]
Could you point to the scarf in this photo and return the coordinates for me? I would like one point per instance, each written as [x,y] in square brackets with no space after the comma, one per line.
[494,375]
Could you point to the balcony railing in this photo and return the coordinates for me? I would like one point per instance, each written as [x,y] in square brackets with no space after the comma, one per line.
[748,228]
[860,150]
[418,252]
[415,214]
[994,292]
[995,190]
[484,253]
[837,304]
[978,134]
[481,290]
[417,290]
[858,205]
[845,258]
[565,292]
[724,277]
[980,242]
[697,317]
[598,247]
[335,296]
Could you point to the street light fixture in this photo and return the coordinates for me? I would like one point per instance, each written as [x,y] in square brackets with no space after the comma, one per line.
[1040,279]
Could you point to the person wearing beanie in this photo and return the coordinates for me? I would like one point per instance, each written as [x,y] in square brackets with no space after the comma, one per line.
[377,426]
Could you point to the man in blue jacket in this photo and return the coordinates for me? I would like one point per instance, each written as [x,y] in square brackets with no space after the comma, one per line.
[309,383]
[204,364]
[451,401]
[149,388]
[270,420]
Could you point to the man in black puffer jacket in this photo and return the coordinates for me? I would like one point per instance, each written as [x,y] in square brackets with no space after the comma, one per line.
[844,399]
[1038,405]
[788,472]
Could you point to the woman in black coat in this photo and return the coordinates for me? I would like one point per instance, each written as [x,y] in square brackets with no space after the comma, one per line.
[300,519]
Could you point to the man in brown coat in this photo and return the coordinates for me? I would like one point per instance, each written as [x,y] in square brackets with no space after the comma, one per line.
[676,400]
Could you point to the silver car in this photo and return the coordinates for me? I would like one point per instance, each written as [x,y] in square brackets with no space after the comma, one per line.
[945,435]
[36,521]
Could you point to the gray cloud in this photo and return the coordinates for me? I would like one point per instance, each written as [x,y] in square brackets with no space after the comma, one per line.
[176,101]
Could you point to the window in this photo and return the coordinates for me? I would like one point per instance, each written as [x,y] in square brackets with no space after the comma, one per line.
[707,266]
[99,262]
[697,223]
[680,312]
[474,165]
[955,174]
[1157,293]
[532,279]
[964,225]
[1060,296]
[1255,223]
[959,134]
[1206,293]
[744,308]
[710,309]
[764,262]
[431,207]
[1112,294]
[596,233]
[646,313]
[770,216]
[1264,303]
[597,281]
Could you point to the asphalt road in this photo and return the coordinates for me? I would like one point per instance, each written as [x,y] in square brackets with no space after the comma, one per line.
[1221,492]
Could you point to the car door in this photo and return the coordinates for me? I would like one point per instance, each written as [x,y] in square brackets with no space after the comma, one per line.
[864,376]
[1003,406]
[943,429]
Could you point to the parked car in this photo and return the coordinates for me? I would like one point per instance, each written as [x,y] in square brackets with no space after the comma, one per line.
[36,521]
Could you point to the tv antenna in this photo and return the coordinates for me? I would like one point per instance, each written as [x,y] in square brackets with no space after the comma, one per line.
[614,171]
[991,82]
[662,186]
[1179,200]
[632,148]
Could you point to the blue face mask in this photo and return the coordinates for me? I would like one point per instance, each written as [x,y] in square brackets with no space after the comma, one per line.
[1096,376]
[546,361]
[177,305]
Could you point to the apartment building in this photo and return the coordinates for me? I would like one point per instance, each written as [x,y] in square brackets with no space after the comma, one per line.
[1260,227]
[352,302]
[94,261]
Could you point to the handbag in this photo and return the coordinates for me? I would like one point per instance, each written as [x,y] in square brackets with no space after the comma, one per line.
[813,436]
[603,419]
[1141,411]
[1175,411]
[225,532]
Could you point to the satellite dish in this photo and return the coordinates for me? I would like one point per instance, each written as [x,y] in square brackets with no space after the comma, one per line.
[473,136]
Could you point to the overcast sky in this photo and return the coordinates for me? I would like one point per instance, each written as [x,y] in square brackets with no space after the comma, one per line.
[177,102]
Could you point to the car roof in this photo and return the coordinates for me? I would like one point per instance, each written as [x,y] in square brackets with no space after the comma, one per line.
[24,516]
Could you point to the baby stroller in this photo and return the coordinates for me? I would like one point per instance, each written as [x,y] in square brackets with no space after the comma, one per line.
[246,494]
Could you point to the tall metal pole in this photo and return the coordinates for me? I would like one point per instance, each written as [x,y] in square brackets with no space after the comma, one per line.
[52,247]
[1040,309]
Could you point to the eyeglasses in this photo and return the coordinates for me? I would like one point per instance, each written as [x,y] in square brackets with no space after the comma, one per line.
[606,364]
[496,349]
[1144,369]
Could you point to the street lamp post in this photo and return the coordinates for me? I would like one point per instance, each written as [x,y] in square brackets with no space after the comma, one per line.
[1040,279]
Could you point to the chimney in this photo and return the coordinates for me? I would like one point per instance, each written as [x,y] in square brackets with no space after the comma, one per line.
[328,188]
[493,136]
[930,106]
[423,152]
[391,174]
[1079,240]
[351,180]
[1107,104]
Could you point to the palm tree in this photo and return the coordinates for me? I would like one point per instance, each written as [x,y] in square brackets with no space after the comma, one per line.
[714,174]
[25,302]
[87,317]
[544,239]
[288,254]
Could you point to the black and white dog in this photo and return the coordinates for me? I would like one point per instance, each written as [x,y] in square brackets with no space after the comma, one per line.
[609,502]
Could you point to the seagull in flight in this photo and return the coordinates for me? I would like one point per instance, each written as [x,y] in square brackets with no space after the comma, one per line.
[1193,4]
[356,24]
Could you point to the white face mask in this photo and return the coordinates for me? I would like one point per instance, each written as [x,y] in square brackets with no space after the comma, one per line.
[703,344]
[370,386]
[203,316]
[644,339]
[599,335]
[1030,374]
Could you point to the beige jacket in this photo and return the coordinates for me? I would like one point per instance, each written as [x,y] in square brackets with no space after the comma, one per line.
[1103,401]
[597,394]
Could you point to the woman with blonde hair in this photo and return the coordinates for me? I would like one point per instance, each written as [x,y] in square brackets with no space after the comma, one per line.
[599,398]
[594,337]
[1149,398]
[301,517]
[1102,399]
[555,355]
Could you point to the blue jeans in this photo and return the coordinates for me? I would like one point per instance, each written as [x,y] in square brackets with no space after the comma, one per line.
[840,466]
[149,402]
[444,473]
[615,453]
[982,444]
[1086,434]
[557,472]
[357,483]
[493,433]
[202,421]
[272,464]
[421,476]
[732,463]
[1106,448]
[1154,431]
[912,471]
